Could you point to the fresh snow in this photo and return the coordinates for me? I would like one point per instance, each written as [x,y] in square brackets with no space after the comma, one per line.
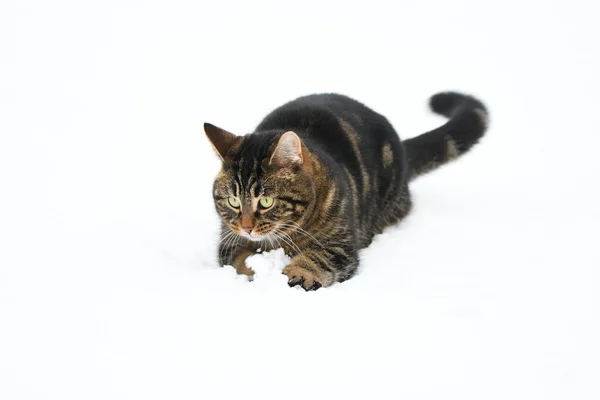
[109,285]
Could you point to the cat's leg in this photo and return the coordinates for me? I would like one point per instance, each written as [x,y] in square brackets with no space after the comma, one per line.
[315,268]
[236,255]
[239,263]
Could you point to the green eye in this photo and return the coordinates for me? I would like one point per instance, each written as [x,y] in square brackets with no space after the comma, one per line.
[266,202]
[234,202]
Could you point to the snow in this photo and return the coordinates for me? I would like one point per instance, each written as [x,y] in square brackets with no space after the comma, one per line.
[109,286]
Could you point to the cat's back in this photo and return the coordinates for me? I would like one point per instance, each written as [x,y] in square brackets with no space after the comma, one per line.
[325,102]
[331,121]
[308,113]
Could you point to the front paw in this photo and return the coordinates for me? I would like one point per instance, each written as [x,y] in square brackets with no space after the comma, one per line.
[243,270]
[303,277]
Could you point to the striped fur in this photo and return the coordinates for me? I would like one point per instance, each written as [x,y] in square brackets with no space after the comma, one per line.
[338,174]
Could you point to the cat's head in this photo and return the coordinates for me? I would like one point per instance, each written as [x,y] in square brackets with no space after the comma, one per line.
[264,188]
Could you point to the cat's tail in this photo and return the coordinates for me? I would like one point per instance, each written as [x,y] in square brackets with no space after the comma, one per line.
[468,122]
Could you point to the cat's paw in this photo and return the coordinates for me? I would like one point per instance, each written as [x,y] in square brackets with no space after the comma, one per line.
[302,277]
[245,271]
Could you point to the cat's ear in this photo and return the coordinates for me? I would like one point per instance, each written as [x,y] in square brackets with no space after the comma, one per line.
[221,140]
[288,150]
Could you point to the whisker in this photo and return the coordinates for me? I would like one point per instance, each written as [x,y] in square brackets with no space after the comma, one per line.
[292,241]
[227,235]
[228,246]
[268,236]
[223,247]
[300,230]
[232,247]
[286,238]
[266,244]
[276,237]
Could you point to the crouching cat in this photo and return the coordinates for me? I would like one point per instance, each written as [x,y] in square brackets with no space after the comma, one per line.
[323,174]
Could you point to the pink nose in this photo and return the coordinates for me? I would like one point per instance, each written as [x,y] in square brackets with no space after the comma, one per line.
[247,229]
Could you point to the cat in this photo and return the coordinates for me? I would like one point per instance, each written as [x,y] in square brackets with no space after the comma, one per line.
[322,175]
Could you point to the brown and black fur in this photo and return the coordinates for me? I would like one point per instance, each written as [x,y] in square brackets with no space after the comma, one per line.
[346,181]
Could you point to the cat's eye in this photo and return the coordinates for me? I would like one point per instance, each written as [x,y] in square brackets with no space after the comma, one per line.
[266,202]
[234,202]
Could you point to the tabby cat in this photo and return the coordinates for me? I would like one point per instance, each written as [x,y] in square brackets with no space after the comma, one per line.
[321,175]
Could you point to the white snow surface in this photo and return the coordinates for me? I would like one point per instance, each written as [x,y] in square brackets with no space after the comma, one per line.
[109,285]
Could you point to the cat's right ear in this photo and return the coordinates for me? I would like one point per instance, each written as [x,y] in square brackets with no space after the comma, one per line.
[222,141]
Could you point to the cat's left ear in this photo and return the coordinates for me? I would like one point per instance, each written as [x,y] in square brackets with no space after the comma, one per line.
[222,141]
[288,150]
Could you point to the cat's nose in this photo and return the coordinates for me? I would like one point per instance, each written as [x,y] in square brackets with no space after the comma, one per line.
[248,229]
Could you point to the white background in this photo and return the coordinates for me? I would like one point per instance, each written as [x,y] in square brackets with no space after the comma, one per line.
[109,286]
